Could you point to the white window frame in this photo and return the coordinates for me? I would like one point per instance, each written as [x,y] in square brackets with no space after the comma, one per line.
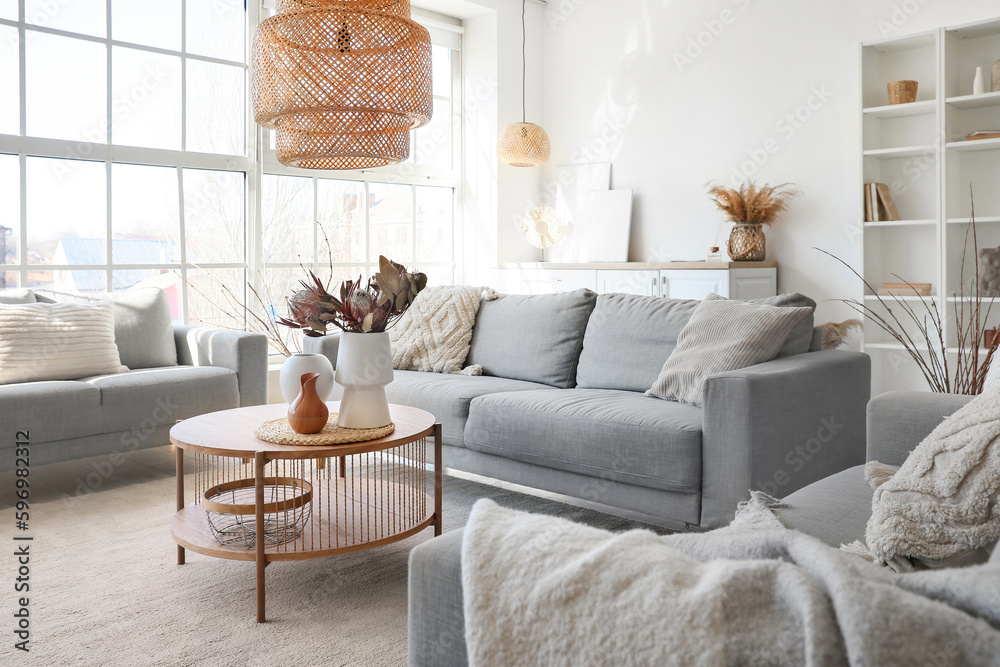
[443,34]
[259,158]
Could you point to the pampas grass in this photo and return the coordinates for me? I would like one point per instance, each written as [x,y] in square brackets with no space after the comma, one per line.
[752,203]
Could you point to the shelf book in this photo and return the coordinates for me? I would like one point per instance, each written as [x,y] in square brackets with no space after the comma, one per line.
[879,204]
[905,289]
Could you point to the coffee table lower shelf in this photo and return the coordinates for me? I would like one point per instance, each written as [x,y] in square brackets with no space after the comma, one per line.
[349,516]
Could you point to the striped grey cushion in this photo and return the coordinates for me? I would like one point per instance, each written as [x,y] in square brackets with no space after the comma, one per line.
[722,335]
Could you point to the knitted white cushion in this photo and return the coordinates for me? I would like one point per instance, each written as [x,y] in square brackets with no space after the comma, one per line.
[722,335]
[435,333]
[59,341]
[944,500]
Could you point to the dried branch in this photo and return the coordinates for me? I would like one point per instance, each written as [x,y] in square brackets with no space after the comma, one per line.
[929,348]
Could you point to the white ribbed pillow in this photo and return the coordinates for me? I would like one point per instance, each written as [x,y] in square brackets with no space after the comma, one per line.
[722,335]
[57,341]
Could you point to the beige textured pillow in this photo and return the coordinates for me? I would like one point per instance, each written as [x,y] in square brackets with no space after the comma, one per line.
[722,335]
[435,333]
[58,341]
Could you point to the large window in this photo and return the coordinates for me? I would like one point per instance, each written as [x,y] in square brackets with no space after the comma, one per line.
[407,212]
[129,158]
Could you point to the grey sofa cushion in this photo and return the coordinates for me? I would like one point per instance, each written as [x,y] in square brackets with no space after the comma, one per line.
[721,336]
[617,435]
[800,339]
[536,338]
[835,509]
[21,295]
[141,400]
[628,339]
[447,397]
[50,411]
[143,326]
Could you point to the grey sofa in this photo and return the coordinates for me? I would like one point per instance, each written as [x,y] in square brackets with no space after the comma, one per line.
[561,408]
[175,372]
[835,509]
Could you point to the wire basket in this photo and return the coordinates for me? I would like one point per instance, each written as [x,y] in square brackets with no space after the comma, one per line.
[902,92]
[232,511]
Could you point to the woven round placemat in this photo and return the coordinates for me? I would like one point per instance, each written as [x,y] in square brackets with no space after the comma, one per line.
[278,432]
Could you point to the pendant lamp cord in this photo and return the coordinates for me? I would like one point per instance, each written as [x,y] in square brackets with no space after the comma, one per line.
[524,115]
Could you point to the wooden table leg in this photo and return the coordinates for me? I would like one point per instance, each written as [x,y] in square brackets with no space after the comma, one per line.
[343,466]
[438,477]
[180,495]
[259,539]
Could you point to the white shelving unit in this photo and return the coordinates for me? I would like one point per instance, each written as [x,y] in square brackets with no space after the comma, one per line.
[920,151]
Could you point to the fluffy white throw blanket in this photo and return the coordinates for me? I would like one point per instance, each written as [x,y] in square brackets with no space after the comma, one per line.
[942,502]
[435,333]
[544,591]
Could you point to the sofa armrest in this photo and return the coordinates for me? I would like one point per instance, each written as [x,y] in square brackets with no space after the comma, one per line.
[436,607]
[899,420]
[328,346]
[781,425]
[240,351]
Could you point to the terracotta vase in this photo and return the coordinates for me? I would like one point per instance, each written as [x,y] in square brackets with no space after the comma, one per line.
[308,413]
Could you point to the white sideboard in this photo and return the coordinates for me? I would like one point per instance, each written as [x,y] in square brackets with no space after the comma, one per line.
[676,280]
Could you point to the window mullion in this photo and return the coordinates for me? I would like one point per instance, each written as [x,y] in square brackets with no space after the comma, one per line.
[109,235]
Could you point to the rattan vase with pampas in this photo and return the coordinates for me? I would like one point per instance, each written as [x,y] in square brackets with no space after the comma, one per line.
[750,207]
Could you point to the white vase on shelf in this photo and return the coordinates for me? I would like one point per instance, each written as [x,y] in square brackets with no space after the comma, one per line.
[297,365]
[979,83]
[364,368]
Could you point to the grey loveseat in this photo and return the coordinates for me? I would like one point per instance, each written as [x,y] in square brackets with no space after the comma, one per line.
[561,408]
[175,372]
[835,509]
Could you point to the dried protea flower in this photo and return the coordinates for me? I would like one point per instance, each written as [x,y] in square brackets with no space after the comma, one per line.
[398,287]
[361,308]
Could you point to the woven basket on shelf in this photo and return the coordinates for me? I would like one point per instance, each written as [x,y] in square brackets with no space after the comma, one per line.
[747,243]
[902,92]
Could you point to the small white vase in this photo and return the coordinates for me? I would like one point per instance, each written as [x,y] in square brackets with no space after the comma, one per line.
[364,368]
[299,364]
[979,83]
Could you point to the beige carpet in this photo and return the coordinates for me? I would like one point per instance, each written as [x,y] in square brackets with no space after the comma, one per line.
[106,589]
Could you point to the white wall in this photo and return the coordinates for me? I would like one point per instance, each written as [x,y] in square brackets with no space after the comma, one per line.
[623,83]
[496,195]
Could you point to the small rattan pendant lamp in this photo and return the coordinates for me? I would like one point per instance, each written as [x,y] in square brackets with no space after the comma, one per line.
[342,82]
[523,144]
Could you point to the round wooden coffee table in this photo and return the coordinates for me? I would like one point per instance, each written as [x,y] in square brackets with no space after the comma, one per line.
[313,502]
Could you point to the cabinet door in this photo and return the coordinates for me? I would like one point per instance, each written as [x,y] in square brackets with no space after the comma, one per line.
[544,281]
[693,284]
[747,284]
[644,283]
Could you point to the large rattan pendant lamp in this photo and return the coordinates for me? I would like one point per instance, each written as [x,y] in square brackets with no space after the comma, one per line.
[523,144]
[342,82]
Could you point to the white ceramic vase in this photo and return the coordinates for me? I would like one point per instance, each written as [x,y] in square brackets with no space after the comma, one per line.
[364,368]
[299,364]
[979,82]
